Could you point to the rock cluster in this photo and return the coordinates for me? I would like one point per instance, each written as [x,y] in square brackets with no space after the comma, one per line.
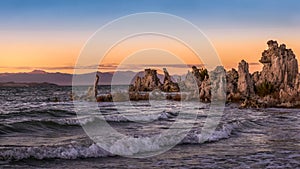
[232,93]
[245,83]
[151,82]
[280,66]
[169,85]
[278,84]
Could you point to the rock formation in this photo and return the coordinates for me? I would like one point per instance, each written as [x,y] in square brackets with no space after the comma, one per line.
[245,83]
[280,66]
[278,84]
[169,85]
[149,82]
[205,90]
[218,83]
[279,78]
[232,77]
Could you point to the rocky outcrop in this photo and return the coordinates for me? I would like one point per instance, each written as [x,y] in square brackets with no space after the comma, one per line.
[280,66]
[279,78]
[245,83]
[232,93]
[149,82]
[205,90]
[278,84]
[169,85]
[217,79]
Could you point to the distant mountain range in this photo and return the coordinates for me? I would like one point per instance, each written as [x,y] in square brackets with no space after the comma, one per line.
[65,79]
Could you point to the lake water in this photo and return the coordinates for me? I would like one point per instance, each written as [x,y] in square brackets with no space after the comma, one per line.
[42,128]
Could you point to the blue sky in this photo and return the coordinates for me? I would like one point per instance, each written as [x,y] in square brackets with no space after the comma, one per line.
[43,33]
[90,14]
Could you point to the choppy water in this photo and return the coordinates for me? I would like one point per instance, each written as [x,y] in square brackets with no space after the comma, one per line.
[39,128]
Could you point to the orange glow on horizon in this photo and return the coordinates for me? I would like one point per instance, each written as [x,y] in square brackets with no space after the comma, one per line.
[23,52]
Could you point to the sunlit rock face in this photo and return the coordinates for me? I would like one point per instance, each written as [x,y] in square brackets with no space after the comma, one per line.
[232,77]
[245,82]
[278,84]
[169,85]
[280,73]
[280,66]
[217,79]
[151,82]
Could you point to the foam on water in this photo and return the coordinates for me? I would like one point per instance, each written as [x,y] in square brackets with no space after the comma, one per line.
[45,152]
[127,146]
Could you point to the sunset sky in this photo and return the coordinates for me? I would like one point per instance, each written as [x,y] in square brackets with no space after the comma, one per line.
[49,34]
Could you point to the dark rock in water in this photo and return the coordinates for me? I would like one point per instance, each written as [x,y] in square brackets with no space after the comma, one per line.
[136,96]
[104,98]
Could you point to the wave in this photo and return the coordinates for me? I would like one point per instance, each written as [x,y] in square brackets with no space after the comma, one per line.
[38,124]
[127,146]
[223,133]
[47,152]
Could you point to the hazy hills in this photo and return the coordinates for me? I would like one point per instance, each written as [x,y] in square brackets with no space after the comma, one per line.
[65,79]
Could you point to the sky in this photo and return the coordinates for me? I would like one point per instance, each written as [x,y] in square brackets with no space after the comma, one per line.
[50,34]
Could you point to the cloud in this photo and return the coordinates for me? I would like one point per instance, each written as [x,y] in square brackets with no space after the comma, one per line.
[111,66]
[254,64]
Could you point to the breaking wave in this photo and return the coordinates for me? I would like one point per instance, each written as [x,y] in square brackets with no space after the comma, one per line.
[128,146]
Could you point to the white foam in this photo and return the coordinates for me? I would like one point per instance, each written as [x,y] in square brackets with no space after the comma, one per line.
[127,146]
[44,152]
[223,133]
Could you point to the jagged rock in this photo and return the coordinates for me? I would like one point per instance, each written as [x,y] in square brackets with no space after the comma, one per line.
[280,74]
[196,74]
[149,82]
[245,83]
[205,90]
[92,92]
[137,84]
[169,85]
[280,66]
[255,77]
[297,83]
[278,84]
[190,82]
[232,77]
[217,79]
[199,74]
